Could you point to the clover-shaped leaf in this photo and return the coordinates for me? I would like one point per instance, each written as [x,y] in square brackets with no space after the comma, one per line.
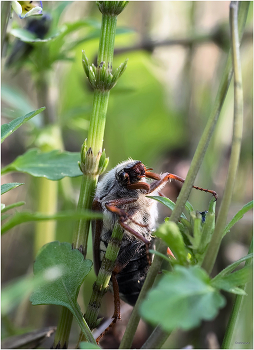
[182,299]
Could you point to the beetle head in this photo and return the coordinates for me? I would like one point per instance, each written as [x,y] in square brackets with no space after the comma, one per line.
[131,173]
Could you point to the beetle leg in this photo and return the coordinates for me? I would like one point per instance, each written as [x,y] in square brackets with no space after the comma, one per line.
[137,223]
[167,176]
[123,216]
[118,268]
[116,316]
[112,206]
[96,206]
[139,186]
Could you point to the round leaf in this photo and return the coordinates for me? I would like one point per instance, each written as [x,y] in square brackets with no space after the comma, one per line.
[182,299]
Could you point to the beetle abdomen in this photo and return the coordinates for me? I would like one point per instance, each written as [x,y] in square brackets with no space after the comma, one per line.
[131,279]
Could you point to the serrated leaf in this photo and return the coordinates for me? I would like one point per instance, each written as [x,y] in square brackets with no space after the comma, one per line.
[87,345]
[64,290]
[232,281]
[182,299]
[27,216]
[166,201]
[54,165]
[8,129]
[11,206]
[238,216]
[10,186]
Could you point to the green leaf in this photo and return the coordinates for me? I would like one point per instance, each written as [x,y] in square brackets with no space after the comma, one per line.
[155,252]
[8,129]
[53,165]
[7,187]
[189,207]
[28,37]
[87,345]
[11,206]
[238,216]
[236,279]
[27,216]
[182,299]
[171,235]
[64,290]
[233,266]
[166,201]
[208,229]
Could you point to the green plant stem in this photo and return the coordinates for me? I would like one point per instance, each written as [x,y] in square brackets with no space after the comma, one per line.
[103,278]
[215,242]
[95,141]
[156,340]
[107,40]
[237,316]
[98,120]
[64,328]
[187,186]
[43,96]
[83,325]
[81,229]
[5,15]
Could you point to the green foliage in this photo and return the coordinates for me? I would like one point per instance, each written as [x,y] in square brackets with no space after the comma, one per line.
[167,202]
[182,299]
[87,345]
[148,119]
[27,216]
[7,187]
[8,129]
[54,165]
[232,282]
[229,281]
[189,234]
[171,235]
[28,37]
[238,216]
[64,290]
[11,206]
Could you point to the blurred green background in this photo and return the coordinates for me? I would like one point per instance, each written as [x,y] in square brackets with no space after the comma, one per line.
[156,114]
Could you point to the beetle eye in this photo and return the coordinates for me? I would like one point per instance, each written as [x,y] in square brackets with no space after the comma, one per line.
[123,177]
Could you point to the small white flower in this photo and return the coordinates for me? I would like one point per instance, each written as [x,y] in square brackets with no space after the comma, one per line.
[27,8]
